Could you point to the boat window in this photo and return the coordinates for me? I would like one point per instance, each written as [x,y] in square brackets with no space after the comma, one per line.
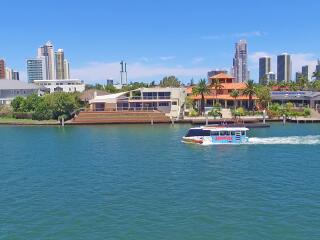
[214,133]
[243,133]
[197,133]
[233,133]
[224,133]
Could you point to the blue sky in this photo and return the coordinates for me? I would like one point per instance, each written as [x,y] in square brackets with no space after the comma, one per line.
[157,38]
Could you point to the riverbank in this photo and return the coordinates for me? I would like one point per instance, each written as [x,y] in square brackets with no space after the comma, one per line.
[254,123]
[14,121]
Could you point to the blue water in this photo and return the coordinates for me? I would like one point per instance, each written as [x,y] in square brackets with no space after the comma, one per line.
[141,182]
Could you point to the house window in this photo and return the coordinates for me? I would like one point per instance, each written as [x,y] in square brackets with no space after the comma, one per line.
[164,104]
[174,103]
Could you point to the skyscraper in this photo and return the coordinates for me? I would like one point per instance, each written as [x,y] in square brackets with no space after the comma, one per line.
[66,69]
[123,73]
[47,51]
[15,75]
[318,69]
[36,69]
[264,69]
[240,62]
[306,72]
[284,68]
[60,64]
[2,69]
[9,73]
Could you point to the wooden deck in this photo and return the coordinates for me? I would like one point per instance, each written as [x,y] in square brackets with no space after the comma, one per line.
[123,117]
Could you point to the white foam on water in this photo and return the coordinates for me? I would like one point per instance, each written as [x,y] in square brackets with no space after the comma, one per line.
[305,140]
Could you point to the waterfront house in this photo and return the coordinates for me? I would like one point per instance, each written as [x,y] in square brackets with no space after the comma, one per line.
[167,100]
[90,94]
[222,95]
[298,98]
[10,89]
[62,85]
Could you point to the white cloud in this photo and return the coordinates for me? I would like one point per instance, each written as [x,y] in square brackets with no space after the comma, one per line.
[302,59]
[167,58]
[99,71]
[235,35]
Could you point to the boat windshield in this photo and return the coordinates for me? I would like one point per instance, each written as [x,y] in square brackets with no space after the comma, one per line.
[198,133]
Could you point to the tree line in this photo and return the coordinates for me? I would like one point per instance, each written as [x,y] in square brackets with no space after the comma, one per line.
[49,106]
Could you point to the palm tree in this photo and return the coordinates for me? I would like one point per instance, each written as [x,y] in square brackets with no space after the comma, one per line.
[293,86]
[201,89]
[217,85]
[250,91]
[302,81]
[316,75]
[263,94]
[316,85]
[235,94]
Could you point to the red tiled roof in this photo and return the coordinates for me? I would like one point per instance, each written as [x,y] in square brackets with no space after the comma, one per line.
[231,86]
[222,76]
[223,97]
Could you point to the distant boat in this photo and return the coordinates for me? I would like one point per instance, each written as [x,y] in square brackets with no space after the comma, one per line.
[212,135]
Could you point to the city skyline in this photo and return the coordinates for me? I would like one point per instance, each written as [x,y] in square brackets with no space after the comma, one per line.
[48,64]
[170,42]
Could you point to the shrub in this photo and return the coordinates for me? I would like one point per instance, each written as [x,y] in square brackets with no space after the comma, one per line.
[22,115]
[241,111]
[238,112]
[6,111]
[18,104]
[289,106]
[306,112]
[217,105]
[50,106]
[42,112]
[215,113]
[193,113]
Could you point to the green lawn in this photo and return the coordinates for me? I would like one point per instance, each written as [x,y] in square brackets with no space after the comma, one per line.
[8,120]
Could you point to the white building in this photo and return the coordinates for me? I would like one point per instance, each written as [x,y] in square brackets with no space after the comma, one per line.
[307,72]
[171,101]
[9,73]
[240,62]
[284,68]
[66,69]
[62,85]
[10,89]
[36,69]
[60,64]
[47,51]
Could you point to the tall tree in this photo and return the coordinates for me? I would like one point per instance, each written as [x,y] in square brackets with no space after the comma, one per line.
[235,94]
[263,94]
[170,81]
[302,82]
[249,91]
[217,85]
[201,89]
[316,85]
[316,75]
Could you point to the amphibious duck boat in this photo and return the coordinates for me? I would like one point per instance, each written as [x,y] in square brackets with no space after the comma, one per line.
[210,135]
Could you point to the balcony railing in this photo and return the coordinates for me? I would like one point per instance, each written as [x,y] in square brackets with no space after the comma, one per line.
[122,109]
[149,97]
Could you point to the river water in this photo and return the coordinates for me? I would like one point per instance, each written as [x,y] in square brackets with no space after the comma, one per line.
[141,182]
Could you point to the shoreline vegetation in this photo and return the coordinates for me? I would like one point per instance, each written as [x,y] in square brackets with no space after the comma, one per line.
[14,121]
[54,108]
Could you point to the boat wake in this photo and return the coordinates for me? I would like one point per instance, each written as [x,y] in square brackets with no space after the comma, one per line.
[304,140]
